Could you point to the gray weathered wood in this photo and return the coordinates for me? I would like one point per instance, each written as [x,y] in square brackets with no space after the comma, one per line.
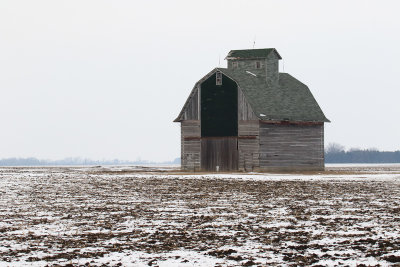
[221,152]
[248,146]
[291,146]
[245,112]
[191,109]
[190,145]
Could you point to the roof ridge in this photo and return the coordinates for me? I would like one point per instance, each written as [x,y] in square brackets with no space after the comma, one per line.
[251,53]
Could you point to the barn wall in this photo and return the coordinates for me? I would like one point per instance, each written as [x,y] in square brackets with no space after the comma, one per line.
[248,145]
[248,135]
[190,133]
[291,147]
[191,111]
[190,145]
[249,65]
[245,112]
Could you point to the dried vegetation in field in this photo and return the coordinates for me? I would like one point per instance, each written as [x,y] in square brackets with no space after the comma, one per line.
[95,216]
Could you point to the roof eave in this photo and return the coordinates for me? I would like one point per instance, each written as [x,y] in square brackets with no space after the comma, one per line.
[244,58]
[276,51]
[277,121]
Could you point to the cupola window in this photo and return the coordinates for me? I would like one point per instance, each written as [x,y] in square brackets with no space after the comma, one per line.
[258,65]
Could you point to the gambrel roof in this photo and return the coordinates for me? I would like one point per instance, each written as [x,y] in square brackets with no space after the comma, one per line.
[289,100]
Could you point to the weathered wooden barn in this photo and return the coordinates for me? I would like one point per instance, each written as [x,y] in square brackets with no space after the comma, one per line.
[251,117]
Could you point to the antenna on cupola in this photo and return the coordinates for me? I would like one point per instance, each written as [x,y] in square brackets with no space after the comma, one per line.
[254,42]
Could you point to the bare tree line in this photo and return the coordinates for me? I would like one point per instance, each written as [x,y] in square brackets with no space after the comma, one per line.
[336,153]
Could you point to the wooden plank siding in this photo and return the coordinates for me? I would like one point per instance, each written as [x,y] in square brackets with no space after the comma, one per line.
[191,133]
[219,153]
[248,145]
[190,145]
[245,112]
[248,135]
[291,147]
[192,109]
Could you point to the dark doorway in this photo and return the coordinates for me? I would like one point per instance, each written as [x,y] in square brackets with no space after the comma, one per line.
[219,105]
[219,123]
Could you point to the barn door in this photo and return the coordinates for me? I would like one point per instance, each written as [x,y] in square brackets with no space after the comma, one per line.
[219,123]
[221,152]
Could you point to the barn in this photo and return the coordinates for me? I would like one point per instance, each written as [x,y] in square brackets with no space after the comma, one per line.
[251,117]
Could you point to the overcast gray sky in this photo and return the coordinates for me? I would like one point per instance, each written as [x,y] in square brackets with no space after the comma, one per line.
[105,79]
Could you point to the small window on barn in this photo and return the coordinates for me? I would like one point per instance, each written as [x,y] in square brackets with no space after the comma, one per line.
[258,65]
[218,78]
[235,65]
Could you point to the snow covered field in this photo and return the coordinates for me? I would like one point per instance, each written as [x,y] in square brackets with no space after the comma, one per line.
[133,216]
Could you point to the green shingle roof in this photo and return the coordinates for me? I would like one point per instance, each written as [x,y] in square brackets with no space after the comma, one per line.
[288,100]
[251,53]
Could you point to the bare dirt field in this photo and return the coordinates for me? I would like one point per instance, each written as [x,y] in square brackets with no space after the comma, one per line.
[131,216]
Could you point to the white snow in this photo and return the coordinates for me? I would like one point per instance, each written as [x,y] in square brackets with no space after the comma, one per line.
[136,216]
